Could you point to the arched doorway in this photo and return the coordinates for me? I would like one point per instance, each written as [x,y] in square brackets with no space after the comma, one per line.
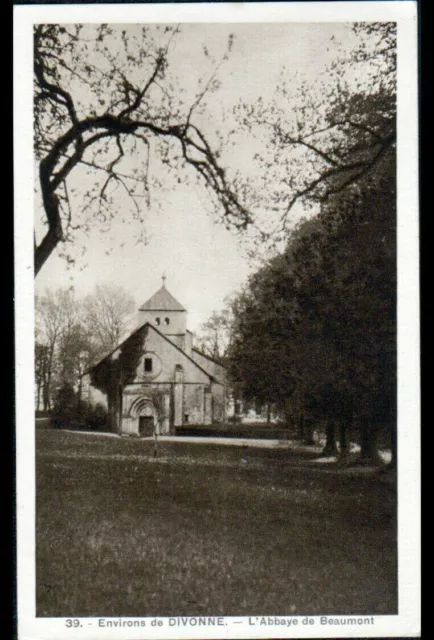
[144,412]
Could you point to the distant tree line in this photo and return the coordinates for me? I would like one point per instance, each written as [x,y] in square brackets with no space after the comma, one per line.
[71,334]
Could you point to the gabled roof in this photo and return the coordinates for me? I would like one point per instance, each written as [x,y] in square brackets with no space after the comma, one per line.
[162,301]
[150,326]
[184,353]
[204,355]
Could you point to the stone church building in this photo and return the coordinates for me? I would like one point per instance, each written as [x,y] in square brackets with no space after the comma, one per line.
[156,380]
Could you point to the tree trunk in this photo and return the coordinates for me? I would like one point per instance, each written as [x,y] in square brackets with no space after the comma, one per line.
[46,396]
[44,384]
[330,448]
[112,412]
[368,441]
[79,390]
[236,406]
[268,412]
[120,408]
[308,431]
[54,234]
[300,425]
[47,384]
[38,396]
[343,438]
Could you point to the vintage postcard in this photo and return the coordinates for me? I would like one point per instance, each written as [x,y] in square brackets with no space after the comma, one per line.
[217,331]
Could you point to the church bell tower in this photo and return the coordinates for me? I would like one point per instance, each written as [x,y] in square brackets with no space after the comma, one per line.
[166,314]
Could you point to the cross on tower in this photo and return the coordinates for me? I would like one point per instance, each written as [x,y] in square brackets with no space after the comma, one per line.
[163,277]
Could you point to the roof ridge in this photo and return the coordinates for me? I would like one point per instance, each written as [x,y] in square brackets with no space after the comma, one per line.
[162,300]
[148,324]
[205,355]
[184,353]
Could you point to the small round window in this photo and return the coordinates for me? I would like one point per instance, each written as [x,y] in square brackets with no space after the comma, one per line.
[166,320]
[157,321]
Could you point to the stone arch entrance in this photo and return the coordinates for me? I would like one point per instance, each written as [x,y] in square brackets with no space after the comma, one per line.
[145,416]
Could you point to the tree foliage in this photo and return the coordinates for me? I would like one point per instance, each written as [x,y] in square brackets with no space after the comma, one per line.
[261,337]
[106,102]
[323,312]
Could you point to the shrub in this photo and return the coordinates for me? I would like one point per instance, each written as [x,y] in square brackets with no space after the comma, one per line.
[96,417]
[68,411]
[65,411]
[235,419]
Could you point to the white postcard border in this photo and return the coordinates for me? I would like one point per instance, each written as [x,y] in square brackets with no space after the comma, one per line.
[407,623]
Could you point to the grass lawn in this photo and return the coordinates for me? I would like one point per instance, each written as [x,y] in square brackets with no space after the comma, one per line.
[207,530]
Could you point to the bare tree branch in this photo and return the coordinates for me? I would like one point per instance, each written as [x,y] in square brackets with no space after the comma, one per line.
[355,171]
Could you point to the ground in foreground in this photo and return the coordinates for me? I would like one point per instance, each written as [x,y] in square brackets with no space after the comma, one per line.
[207,530]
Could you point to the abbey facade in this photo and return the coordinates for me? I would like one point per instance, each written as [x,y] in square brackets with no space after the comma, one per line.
[156,380]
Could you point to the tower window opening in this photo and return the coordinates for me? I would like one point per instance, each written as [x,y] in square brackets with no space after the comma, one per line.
[157,321]
[148,365]
[166,320]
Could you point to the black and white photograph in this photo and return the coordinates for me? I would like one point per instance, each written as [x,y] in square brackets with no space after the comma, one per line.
[217,321]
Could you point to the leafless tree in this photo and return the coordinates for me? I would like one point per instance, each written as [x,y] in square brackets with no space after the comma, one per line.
[323,137]
[108,314]
[105,104]
[55,312]
[214,334]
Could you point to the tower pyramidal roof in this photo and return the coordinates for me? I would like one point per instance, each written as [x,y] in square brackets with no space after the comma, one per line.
[162,300]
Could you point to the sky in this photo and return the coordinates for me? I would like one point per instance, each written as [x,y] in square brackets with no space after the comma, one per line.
[202,261]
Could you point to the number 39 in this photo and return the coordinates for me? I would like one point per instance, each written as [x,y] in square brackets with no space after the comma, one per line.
[72,623]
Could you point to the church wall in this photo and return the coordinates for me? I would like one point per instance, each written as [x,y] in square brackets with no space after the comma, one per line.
[194,404]
[208,418]
[183,341]
[218,391]
[213,368]
[178,396]
[159,395]
[188,343]
[177,339]
[177,402]
[177,320]
[167,357]
[219,402]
